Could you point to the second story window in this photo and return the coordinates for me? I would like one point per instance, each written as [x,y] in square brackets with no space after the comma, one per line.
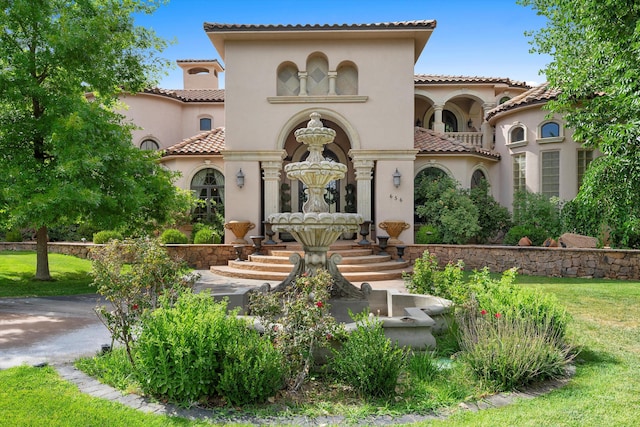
[516,134]
[150,145]
[550,130]
[205,123]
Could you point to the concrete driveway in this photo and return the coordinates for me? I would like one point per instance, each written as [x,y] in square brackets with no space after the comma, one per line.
[49,329]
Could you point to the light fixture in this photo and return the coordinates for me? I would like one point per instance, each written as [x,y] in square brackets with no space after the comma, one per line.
[470,123]
[396,178]
[240,178]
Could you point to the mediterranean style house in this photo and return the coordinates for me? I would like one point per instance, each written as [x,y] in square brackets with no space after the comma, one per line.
[232,144]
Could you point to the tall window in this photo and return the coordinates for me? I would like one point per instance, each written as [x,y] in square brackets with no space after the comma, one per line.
[208,185]
[519,172]
[551,173]
[149,144]
[584,158]
[205,123]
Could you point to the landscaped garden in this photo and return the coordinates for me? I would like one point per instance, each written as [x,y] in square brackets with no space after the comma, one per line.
[602,333]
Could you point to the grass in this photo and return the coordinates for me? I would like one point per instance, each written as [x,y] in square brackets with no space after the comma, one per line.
[71,275]
[604,391]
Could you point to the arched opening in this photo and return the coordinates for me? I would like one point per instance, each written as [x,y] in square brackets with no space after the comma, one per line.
[477,178]
[150,145]
[317,75]
[426,177]
[208,186]
[449,119]
[288,83]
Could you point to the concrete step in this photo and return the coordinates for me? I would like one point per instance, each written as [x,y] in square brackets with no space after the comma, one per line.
[383,263]
[345,252]
[364,259]
[354,277]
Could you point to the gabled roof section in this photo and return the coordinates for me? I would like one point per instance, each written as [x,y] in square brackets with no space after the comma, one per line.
[419,30]
[190,95]
[428,141]
[537,95]
[442,79]
[209,142]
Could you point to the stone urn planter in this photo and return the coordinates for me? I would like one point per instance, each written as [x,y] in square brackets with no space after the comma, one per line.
[240,229]
[394,228]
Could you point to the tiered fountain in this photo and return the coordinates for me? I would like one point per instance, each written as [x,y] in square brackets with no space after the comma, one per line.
[315,228]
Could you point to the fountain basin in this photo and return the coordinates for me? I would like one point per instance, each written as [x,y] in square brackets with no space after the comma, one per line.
[316,231]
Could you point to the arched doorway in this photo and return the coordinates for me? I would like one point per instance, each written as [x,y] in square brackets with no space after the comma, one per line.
[208,186]
[332,196]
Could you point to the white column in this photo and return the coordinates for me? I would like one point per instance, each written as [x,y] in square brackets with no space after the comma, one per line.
[438,125]
[302,75]
[364,169]
[332,82]
[271,176]
[487,129]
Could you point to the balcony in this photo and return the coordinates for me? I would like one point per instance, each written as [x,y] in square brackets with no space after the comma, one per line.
[472,139]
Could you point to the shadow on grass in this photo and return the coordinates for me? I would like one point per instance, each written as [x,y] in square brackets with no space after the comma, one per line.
[586,356]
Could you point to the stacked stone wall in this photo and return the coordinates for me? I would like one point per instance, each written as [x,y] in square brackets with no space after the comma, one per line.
[535,261]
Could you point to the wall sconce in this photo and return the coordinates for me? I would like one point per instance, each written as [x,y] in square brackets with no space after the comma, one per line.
[396,178]
[470,123]
[240,178]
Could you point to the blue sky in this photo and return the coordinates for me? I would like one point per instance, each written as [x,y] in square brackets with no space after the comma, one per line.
[472,37]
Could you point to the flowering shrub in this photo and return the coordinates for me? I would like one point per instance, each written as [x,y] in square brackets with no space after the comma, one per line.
[131,275]
[298,322]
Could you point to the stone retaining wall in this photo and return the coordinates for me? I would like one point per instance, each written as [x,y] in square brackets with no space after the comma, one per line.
[536,261]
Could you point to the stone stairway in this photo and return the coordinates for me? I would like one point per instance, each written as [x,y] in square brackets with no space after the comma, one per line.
[359,264]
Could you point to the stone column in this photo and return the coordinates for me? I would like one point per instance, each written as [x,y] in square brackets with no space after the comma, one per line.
[487,129]
[332,82]
[302,75]
[364,169]
[271,175]
[438,125]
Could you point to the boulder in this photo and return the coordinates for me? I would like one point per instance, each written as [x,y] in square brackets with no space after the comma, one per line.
[571,240]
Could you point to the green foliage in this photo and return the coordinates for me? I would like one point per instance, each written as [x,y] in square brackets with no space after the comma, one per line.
[368,361]
[132,275]
[492,216]
[173,236]
[297,320]
[252,369]
[104,236]
[427,279]
[507,352]
[535,234]
[594,65]
[206,235]
[71,233]
[536,211]
[428,234]
[13,236]
[68,158]
[112,367]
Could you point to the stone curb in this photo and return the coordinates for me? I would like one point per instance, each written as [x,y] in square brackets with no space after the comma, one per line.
[93,387]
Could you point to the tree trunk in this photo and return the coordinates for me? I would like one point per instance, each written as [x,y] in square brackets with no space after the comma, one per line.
[42,254]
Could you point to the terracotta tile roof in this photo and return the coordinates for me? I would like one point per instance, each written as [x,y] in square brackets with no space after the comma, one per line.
[431,142]
[196,60]
[190,95]
[436,79]
[209,142]
[537,95]
[214,26]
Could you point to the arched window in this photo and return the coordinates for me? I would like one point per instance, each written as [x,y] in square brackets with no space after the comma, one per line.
[347,80]
[550,130]
[206,123]
[288,83]
[149,144]
[477,178]
[516,134]
[503,100]
[208,186]
[449,119]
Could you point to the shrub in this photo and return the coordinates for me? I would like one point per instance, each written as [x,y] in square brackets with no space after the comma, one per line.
[252,369]
[131,275]
[180,350]
[102,237]
[173,236]
[508,352]
[206,235]
[538,212]
[428,234]
[297,320]
[13,236]
[492,217]
[427,279]
[536,234]
[368,361]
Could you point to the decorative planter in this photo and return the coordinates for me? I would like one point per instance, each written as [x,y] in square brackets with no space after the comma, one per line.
[394,228]
[239,229]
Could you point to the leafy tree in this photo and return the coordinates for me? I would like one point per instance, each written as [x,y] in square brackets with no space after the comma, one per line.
[594,45]
[492,216]
[67,158]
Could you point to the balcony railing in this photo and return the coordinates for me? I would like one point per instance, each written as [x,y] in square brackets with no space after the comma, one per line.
[473,139]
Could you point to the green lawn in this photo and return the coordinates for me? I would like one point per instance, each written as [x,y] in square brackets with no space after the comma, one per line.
[604,392]
[71,275]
